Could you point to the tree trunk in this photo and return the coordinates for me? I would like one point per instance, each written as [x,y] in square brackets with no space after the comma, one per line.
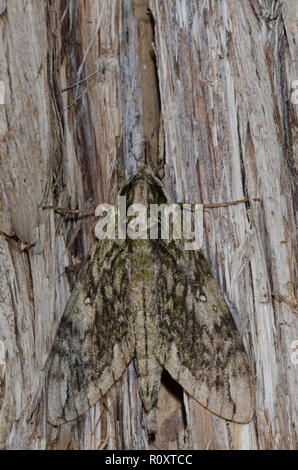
[200,91]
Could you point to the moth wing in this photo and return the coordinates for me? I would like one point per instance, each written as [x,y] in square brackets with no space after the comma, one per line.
[95,341]
[201,347]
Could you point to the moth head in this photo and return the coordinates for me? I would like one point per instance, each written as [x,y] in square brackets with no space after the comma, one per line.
[144,188]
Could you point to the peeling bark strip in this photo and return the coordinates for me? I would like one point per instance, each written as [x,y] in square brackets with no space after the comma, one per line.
[225,70]
[91,211]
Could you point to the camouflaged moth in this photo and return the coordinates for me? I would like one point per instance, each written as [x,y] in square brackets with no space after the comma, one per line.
[154,303]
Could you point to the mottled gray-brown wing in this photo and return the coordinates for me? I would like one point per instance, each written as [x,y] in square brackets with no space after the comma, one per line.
[200,345]
[94,342]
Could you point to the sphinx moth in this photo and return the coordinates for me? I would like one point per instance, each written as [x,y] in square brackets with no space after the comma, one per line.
[154,303]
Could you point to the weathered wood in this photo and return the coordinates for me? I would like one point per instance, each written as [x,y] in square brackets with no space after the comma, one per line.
[215,114]
[224,86]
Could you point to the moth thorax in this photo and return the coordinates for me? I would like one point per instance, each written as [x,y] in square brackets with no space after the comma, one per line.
[142,193]
[142,262]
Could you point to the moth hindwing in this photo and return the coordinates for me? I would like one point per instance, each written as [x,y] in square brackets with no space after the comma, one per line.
[155,303]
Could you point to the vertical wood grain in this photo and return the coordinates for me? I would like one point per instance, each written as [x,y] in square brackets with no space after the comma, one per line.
[200,91]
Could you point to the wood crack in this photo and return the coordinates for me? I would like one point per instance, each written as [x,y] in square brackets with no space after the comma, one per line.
[148,83]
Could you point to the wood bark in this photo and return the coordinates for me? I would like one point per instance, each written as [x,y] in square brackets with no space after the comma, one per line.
[201,92]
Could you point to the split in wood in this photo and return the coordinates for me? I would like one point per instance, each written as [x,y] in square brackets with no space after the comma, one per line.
[24,246]
[281,298]
[70,211]
[79,82]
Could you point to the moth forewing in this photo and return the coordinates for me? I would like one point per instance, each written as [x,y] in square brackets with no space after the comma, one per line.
[95,340]
[206,354]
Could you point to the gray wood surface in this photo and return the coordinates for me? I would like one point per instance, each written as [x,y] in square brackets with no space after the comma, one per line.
[201,92]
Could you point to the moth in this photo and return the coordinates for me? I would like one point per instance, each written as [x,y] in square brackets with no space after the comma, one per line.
[154,303]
